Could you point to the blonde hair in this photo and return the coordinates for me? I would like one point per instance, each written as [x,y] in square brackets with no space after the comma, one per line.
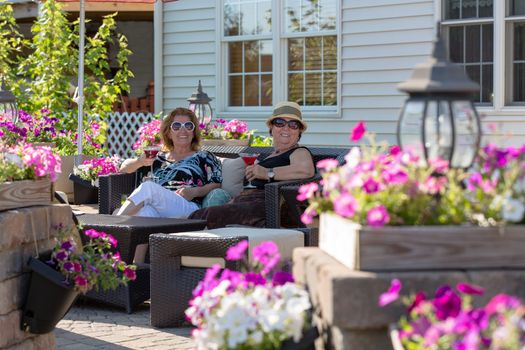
[165,128]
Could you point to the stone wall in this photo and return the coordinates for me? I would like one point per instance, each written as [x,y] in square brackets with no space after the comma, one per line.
[345,301]
[23,232]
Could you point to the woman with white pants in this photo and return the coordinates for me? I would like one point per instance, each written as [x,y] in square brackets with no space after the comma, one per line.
[182,174]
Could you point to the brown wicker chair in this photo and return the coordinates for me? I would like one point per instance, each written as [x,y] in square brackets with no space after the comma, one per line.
[172,284]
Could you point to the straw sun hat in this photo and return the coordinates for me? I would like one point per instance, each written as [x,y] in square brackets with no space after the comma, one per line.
[287,110]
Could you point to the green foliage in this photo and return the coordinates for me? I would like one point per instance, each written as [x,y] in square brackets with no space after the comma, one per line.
[10,42]
[44,78]
[260,141]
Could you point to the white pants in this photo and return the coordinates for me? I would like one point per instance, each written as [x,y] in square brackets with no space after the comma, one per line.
[160,202]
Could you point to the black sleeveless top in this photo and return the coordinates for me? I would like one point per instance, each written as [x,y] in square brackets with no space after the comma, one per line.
[282,159]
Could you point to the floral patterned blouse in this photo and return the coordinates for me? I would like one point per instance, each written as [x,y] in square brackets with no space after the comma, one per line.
[199,169]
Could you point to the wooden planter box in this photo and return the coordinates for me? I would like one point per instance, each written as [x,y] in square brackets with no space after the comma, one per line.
[226,142]
[405,248]
[19,194]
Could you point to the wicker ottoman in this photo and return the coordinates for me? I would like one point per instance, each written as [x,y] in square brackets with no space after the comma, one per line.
[179,261]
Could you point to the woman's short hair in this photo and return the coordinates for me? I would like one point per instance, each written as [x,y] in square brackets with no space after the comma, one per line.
[165,128]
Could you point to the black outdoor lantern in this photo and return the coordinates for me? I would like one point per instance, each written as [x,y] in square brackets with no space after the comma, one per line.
[8,105]
[200,104]
[439,118]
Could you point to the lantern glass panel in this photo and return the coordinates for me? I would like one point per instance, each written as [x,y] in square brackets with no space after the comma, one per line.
[438,130]
[202,112]
[410,127]
[467,133]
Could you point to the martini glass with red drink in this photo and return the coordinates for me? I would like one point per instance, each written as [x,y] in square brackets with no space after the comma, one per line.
[249,159]
[151,152]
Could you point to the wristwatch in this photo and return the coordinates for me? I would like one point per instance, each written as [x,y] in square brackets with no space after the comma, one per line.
[271,174]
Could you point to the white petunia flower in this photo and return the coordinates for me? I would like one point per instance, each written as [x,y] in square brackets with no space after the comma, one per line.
[512,210]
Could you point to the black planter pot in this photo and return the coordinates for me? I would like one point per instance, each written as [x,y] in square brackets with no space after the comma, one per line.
[48,299]
[307,342]
[83,190]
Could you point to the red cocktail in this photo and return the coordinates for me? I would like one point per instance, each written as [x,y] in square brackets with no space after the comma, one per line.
[249,159]
[151,152]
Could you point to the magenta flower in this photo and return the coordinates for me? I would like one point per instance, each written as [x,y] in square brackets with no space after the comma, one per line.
[307,217]
[282,277]
[81,281]
[345,205]
[371,185]
[237,251]
[418,299]
[307,191]
[447,303]
[130,273]
[395,150]
[392,294]
[327,164]
[358,131]
[378,216]
[77,267]
[471,289]
[254,279]
[267,254]
[91,233]
[502,302]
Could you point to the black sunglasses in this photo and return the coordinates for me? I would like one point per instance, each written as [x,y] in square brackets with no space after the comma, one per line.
[176,126]
[292,124]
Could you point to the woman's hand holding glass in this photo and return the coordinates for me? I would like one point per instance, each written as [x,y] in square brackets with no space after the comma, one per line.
[148,157]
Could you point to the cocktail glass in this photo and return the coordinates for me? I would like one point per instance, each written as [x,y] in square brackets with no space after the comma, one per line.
[151,153]
[249,159]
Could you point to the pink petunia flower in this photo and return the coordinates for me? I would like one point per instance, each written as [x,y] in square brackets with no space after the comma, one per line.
[345,205]
[378,216]
[358,131]
[392,294]
[237,251]
[306,191]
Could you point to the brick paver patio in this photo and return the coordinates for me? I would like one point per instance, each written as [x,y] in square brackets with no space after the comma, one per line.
[94,326]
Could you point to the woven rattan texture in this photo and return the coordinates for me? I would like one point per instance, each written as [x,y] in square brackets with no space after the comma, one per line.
[131,231]
[127,297]
[172,284]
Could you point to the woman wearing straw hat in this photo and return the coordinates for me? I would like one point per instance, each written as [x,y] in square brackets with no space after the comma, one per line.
[288,161]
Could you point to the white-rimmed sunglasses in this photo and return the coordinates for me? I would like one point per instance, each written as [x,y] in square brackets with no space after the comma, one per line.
[176,126]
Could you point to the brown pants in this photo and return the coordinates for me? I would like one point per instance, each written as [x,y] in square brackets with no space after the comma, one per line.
[245,209]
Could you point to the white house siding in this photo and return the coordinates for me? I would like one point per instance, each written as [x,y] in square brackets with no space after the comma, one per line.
[188,50]
[381,42]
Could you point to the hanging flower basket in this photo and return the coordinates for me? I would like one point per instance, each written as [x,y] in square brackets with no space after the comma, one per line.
[48,300]
[83,190]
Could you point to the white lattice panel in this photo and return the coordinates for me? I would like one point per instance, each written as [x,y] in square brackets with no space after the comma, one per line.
[123,131]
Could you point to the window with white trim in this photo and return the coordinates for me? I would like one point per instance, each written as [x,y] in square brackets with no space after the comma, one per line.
[304,40]
[469,27]
[515,26]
